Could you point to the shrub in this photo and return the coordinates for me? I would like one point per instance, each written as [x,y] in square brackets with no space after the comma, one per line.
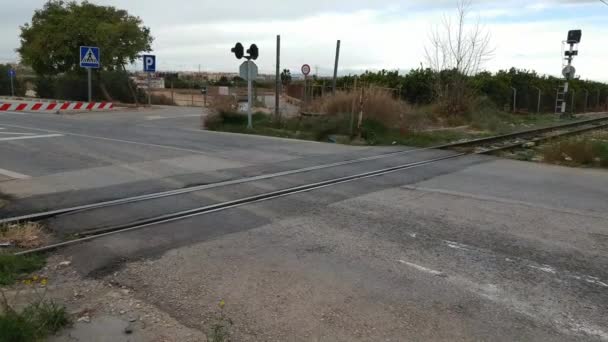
[34,323]
[581,151]
[12,266]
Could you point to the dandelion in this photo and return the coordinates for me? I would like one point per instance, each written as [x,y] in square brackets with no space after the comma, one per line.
[44,281]
[221,304]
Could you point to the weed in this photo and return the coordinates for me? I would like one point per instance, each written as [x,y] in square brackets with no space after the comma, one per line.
[220,330]
[23,235]
[34,323]
[590,150]
[12,267]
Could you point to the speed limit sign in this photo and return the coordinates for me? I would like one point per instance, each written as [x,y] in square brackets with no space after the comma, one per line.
[306,69]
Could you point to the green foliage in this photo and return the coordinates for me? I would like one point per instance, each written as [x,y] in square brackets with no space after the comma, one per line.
[12,266]
[50,43]
[586,150]
[73,86]
[424,86]
[286,76]
[34,323]
[5,82]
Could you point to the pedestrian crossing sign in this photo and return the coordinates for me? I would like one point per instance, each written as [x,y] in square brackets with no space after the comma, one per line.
[89,57]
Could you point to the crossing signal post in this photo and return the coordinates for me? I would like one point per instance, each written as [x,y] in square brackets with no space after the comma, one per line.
[574,38]
[248,71]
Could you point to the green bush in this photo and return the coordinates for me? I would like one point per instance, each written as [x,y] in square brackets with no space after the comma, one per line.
[34,323]
[74,87]
[5,82]
[12,266]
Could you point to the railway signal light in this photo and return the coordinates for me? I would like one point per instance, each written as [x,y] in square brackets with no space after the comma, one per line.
[574,36]
[238,50]
[253,52]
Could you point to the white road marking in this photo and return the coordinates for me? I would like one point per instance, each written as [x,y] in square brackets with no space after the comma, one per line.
[13,113]
[32,137]
[457,245]
[111,139]
[544,268]
[12,174]
[422,268]
[12,133]
[158,117]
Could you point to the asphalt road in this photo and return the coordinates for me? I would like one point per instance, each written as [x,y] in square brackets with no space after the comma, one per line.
[469,249]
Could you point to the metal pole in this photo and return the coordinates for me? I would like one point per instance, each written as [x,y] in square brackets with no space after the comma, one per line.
[249,95]
[150,89]
[514,99]
[573,94]
[12,87]
[538,102]
[336,67]
[586,100]
[90,86]
[278,80]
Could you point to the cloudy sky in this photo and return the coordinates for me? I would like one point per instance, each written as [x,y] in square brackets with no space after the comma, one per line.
[389,34]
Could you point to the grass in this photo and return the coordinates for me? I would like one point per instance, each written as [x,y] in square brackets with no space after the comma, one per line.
[421,126]
[34,323]
[13,267]
[587,150]
[23,235]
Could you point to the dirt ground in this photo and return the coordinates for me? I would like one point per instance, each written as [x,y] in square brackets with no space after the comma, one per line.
[100,310]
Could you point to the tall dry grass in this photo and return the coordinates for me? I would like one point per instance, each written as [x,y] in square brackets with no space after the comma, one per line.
[377,105]
[23,235]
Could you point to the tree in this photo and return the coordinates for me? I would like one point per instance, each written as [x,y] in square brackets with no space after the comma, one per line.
[286,76]
[462,49]
[50,43]
[457,45]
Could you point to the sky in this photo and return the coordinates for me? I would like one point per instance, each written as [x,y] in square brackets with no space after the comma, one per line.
[387,34]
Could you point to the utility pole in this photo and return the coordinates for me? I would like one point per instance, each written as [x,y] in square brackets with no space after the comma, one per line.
[573,95]
[538,102]
[278,81]
[514,99]
[335,81]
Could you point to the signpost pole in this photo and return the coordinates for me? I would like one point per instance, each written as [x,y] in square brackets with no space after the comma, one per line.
[90,85]
[335,80]
[277,110]
[150,89]
[12,87]
[249,94]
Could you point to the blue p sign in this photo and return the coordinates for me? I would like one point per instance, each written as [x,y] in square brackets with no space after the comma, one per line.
[149,63]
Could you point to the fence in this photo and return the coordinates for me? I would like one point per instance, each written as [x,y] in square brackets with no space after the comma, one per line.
[526,99]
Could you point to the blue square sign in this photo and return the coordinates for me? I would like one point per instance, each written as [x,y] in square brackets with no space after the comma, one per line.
[89,57]
[149,63]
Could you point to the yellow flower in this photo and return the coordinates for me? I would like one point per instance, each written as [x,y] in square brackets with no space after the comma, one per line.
[221,304]
[43,281]
[27,282]
[35,278]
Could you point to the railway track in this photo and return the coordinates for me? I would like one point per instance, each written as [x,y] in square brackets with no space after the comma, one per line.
[478,146]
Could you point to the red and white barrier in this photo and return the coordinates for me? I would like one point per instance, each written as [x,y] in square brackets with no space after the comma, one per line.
[39,106]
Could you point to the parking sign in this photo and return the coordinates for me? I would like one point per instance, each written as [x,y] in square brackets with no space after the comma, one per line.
[149,63]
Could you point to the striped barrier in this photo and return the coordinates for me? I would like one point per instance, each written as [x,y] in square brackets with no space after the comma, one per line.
[39,106]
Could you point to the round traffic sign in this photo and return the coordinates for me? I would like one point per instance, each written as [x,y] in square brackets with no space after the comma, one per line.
[569,71]
[306,69]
